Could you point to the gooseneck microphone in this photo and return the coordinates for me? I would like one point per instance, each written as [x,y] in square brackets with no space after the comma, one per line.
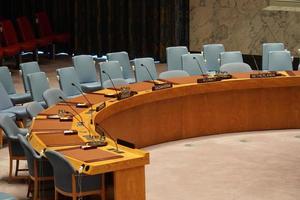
[142,65]
[84,96]
[99,129]
[104,72]
[199,66]
[79,120]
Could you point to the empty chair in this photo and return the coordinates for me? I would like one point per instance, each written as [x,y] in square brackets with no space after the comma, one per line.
[52,96]
[7,106]
[68,182]
[173,74]
[231,57]
[211,54]
[13,117]
[174,54]
[28,68]
[39,168]
[267,47]
[86,71]
[16,152]
[116,82]
[113,69]
[66,77]
[38,83]
[280,60]
[124,61]
[194,64]
[235,67]
[34,108]
[7,82]
[141,72]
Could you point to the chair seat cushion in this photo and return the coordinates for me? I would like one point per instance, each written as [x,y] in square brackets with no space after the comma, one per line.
[20,98]
[28,46]
[11,50]
[11,115]
[20,111]
[91,87]
[61,38]
[130,80]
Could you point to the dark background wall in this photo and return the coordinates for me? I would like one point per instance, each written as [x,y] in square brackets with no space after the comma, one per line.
[140,27]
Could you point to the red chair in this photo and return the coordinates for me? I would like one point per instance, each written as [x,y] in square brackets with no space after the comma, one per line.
[11,41]
[45,30]
[27,34]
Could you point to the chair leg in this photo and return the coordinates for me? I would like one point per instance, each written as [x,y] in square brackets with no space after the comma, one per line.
[10,168]
[1,138]
[55,195]
[53,51]
[29,188]
[17,168]
[36,55]
[35,189]
[103,187]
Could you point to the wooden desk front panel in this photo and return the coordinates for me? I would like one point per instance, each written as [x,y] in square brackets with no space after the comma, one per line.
[198,110]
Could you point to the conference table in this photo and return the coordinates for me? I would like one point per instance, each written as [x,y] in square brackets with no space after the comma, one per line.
[188,109]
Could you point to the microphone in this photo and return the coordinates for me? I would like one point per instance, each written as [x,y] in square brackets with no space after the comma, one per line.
[199,66]
[255,63]
[149,73]
[99,129]
[84,96]
[104,72]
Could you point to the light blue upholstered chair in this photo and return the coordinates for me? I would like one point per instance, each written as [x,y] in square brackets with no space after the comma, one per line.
[211,54]
[116,81]
[64,174]
[112,68]
[85,67]
[16,152]
[174,54]
[280,60]
[231,57]
[52,96]
[141,72]
[173,74]
[67,76]
[267,47]
[39,168]
[6,105]
[34,108]
[28,68]
[5,196]
[38,84]
[7,82]
[235,67]
[124,61]
[190,64]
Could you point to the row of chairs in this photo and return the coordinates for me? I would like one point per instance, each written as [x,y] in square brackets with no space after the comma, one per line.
[28,42]
[275,57]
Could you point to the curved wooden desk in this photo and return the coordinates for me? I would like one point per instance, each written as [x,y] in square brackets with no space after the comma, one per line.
[186,110]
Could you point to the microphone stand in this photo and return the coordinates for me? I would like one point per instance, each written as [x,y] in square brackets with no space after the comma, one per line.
[104,72]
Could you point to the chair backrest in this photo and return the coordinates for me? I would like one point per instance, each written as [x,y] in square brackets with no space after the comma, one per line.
[8,33]
[173,74]
[33,109]
[211,54]
[235,67]
[5,101]
[280,60]
[30,153]
[9,127]
[6,80]
[25,28]
[38,83]
[52,96]
[190,63]
[43,24]
[174,54]
[85,68]
[123,59]
[116,81]
[28,68]
[231,57]
[67,76]
[267,47]
[113,68]
[141,73]
[62,169]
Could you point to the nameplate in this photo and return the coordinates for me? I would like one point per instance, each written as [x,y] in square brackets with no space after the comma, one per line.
[53,117]
[82,105]
[265,75]
[66,119]
[209,79]
[100,107]
[224,76]
[70,132]
[125,94]
[161,86]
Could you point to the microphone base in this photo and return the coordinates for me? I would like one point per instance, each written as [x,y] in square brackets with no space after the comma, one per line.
[88,137]
[116,150]
[97,143]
